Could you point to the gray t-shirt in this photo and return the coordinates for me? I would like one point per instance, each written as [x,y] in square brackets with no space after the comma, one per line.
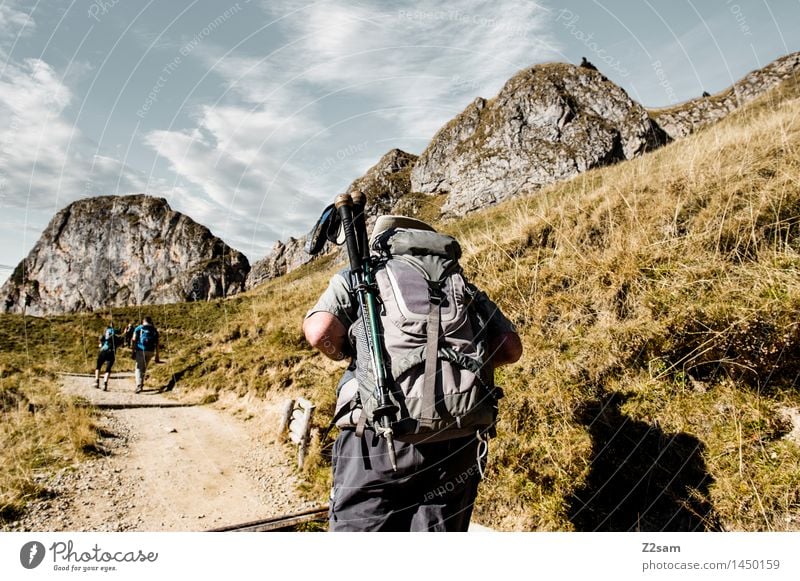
[339,301]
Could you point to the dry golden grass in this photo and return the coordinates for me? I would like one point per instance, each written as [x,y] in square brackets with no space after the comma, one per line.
[39,432]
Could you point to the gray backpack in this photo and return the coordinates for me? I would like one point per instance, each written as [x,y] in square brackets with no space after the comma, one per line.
[434,342]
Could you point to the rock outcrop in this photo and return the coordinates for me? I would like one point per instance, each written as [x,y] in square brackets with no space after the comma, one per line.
[684,119]
[549,122]
[385,184]
[284,258]
[122,250]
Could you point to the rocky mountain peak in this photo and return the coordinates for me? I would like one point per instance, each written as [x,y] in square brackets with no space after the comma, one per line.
[549,122]
[122,250]
[385,183]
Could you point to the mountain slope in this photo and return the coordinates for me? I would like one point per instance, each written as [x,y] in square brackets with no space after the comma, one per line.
[548,123]
[657,303]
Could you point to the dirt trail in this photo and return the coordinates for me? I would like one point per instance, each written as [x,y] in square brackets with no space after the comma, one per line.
[168,468]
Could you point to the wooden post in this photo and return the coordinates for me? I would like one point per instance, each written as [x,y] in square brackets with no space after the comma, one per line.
[286,415]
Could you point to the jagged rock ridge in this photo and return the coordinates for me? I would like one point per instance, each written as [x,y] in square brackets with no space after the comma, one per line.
[688,117]
[122,250]
[548,123]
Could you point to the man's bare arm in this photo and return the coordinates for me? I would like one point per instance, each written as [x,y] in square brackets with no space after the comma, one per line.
[326,333]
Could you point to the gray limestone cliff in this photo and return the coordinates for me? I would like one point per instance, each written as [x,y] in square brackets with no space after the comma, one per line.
[282,259]
[122,250]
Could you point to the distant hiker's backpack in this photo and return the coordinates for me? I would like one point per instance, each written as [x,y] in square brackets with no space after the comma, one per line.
[109,340]
[148,338]
[434,339]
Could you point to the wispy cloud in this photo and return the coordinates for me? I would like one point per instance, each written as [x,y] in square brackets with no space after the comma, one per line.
[292,117]
[14,23]
[44,159]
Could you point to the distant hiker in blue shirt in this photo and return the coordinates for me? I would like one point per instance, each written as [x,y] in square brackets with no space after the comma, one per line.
[145,345]
[107,355]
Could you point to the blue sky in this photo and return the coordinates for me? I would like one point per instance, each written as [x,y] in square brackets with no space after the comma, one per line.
[250,116]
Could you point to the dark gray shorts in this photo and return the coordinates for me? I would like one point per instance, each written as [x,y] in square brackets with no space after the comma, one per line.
[433,489]
[106,357]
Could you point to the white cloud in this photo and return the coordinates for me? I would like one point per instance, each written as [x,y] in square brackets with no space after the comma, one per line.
[243,133]
[344,75]
[14,23]
[44,160]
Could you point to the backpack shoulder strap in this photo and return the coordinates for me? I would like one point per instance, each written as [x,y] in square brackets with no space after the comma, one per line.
[431,353]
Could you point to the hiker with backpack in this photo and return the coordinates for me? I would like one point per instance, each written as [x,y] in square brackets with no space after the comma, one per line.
[145,346]
[418,403]
[128,332]
[107,355]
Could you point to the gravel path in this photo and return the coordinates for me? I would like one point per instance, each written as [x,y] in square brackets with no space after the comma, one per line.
[167,469]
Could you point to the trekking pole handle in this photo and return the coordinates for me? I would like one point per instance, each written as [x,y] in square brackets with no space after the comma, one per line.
[359,199]
[344,205]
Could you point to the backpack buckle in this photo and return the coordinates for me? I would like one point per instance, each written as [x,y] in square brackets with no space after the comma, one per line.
[436,292]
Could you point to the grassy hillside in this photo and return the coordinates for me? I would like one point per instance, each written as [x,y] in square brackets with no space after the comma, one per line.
[657,302]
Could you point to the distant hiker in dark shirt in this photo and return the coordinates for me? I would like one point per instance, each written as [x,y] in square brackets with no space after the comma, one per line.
[145,346]
[129,333]
[108,350]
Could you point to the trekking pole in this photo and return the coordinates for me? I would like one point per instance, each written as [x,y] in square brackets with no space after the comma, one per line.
[361,281]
